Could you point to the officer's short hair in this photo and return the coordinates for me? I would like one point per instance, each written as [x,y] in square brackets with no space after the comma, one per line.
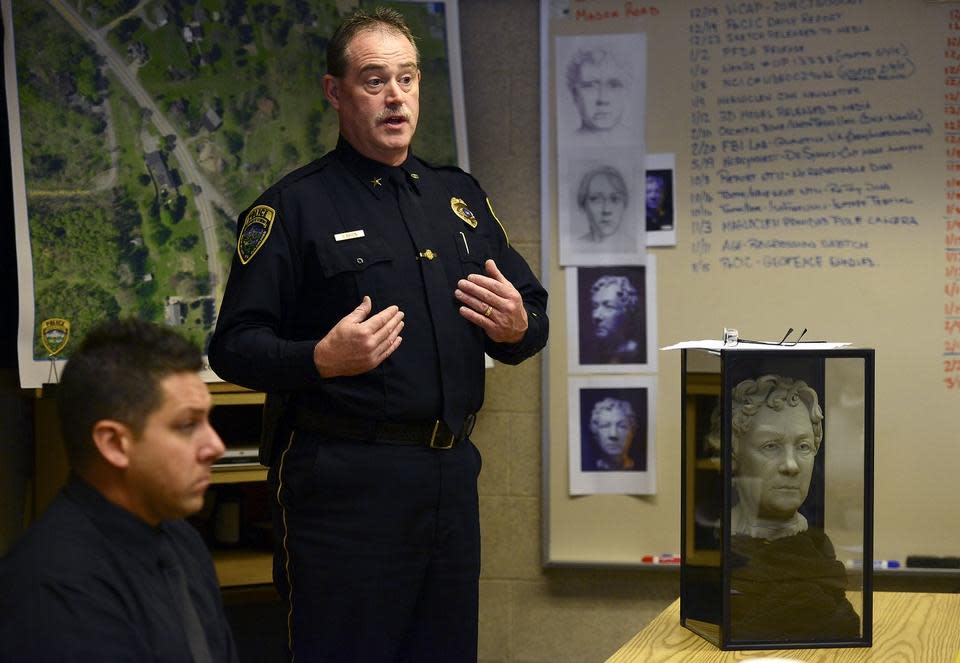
[380,18]
[116,374]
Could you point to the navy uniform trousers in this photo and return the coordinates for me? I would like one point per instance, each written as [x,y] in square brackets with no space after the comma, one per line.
[378,550]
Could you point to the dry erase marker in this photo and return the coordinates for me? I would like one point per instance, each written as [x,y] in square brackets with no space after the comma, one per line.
[666,558]
[877,564]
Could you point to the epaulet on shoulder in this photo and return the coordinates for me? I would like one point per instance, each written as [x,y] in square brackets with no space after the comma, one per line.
[293,176]
[453,172]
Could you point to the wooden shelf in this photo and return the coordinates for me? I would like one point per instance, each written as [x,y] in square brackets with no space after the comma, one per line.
[225,393]
[238,473]
[243,567]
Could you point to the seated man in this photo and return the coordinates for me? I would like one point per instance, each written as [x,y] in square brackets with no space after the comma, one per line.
[786,582]
[111,572]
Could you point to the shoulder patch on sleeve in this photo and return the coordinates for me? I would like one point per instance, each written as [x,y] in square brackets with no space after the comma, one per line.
[497,219]
[255,231]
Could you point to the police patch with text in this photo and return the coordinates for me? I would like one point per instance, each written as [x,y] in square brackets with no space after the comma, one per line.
[255,231]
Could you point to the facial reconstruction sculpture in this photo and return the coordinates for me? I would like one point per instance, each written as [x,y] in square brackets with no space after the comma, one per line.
[777,428]
[613,424]
[786,582]
[613,306]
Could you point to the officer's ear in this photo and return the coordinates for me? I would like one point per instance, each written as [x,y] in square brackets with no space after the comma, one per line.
[113,441]
[331,90]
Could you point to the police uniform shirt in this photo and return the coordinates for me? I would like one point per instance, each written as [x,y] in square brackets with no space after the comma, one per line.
[331,232]
[86,583]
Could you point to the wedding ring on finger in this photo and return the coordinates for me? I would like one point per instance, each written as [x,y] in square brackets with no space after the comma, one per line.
[487,312]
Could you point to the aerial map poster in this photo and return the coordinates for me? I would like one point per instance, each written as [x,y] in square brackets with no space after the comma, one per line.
[139,129]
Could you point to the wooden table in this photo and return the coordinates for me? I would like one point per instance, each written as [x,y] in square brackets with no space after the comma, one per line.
[907,628]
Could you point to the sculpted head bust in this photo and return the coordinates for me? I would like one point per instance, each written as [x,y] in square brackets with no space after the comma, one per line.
[777,428]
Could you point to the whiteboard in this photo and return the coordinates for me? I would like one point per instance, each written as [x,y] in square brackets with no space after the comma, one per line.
[817,152]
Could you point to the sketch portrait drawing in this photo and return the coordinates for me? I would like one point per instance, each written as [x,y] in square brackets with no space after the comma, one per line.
[604,223]
[601,88]
[600,91]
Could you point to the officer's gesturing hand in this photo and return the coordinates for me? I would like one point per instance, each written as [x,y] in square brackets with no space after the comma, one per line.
[358,344]
[492,303]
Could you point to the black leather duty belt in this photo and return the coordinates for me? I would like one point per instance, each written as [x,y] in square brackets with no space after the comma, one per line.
[434,434]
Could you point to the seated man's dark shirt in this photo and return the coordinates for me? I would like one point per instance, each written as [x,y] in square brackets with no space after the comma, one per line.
[87,583]
[789,589]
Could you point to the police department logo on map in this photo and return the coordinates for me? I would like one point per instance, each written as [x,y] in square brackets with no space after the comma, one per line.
[460,209]
[54,334]
[255,231]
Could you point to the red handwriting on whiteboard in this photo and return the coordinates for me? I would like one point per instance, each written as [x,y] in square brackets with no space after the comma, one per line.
[630,10]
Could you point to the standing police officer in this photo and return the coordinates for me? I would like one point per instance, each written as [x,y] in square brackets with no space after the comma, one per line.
[365,290]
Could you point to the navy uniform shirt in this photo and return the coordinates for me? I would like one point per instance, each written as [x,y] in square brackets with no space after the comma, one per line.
[86,583]
[331,232]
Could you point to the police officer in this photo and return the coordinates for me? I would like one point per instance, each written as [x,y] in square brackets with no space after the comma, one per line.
[365,290]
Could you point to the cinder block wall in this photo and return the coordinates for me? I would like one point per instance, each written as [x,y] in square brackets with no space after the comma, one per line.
[528,614]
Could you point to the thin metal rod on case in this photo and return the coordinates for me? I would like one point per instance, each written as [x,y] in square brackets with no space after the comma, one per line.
[782,342]
[785,336]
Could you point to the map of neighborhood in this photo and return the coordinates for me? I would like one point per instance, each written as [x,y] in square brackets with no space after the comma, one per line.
[148,126]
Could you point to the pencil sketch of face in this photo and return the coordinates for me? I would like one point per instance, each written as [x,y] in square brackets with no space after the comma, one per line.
[602,196]
[613,301]
[600,88]
[613,424]
[777,430]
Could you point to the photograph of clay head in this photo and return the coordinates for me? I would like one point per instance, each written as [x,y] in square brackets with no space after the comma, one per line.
[613,427]
[659,200]
[613,316]
[601,89]
[603,198]
[786,582]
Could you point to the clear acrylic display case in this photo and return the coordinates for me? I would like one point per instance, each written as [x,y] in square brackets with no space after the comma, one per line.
[777,497]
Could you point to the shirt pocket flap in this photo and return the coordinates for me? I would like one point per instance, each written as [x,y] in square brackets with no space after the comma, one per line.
[472,247]
[352,255]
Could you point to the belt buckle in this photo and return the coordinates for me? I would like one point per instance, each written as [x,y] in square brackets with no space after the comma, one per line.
[443,442]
